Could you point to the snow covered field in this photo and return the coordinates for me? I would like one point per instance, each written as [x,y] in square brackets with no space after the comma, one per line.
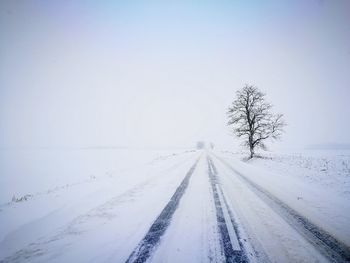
[118,205]
[329,168]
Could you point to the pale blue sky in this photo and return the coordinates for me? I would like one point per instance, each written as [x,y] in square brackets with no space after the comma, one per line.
[156,73]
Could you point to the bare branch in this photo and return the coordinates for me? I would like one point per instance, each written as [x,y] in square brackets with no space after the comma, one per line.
[250,117]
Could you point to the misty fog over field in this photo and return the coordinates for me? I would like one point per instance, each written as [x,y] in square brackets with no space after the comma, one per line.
[120,137]
[162,74]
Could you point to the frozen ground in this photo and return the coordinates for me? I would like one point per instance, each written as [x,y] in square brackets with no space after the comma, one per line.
[119,205]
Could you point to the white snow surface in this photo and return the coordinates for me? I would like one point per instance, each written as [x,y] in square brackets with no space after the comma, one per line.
[314,183]
[193,235]
[96,205]
[63,212]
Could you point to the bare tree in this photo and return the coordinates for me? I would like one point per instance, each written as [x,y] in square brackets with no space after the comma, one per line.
[251,119]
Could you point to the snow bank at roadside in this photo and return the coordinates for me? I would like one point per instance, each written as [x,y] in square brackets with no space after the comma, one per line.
[330,169]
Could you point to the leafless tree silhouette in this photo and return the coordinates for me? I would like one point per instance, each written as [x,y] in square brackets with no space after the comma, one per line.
[251,119]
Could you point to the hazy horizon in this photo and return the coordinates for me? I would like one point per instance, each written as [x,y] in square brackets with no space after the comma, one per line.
[156,74]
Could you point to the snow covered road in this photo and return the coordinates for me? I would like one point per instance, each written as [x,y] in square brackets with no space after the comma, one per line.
[192,235]
[242,223]
[193,208]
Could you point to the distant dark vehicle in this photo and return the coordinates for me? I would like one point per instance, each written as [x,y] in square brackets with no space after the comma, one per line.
[200,145]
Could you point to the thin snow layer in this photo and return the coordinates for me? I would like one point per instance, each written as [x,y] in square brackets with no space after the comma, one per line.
[102,219]
[316,184]
[193,234]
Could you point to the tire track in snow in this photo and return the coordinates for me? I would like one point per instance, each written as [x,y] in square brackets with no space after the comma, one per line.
[325,243]
[231,242]
[147,245]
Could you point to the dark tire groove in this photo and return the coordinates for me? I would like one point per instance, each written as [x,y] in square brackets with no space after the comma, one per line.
[231,255]
[147,245]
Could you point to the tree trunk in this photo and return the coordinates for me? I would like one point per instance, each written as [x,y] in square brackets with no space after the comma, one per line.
[251,153]
[251,148]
